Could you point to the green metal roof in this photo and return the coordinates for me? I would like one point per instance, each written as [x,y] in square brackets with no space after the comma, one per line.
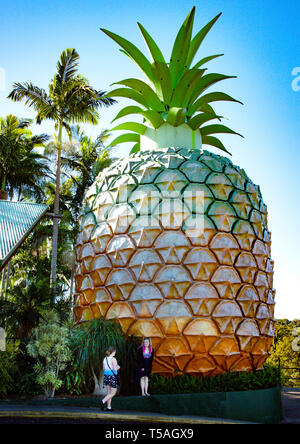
[17,220]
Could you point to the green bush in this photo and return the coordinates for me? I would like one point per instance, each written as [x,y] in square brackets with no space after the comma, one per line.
[26,385]
[74,381]
[16,371]
[6,369]
[89,343]
[49,346]
[226,382]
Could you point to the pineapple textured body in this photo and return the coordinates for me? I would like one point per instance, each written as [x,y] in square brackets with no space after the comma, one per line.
[174,245]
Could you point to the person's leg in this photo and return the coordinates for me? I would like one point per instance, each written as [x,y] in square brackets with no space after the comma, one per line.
[108,388]
[142,382]
[146,385]
[113,391]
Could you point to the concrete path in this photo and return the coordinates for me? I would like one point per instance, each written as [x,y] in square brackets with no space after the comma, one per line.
[79,413]
[291,405]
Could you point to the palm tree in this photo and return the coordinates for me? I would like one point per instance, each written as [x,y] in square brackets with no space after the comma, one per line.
[29,297]
[21,166]
[70,99]
[83,161]
[84,157]
[90,342]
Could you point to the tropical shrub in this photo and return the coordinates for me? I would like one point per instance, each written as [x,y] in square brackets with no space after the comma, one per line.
[26,384]
[7,363]
[91,340]
[74,380]
[49,345]
[226,382]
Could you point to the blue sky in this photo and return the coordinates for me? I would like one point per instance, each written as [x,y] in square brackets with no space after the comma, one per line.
[260,40]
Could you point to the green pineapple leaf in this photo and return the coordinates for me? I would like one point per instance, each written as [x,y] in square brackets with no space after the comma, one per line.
[129,94]
[205,82]
[185,87]
[198,39]
[181,47]
[208,98]
[132,109]
[136,147]
[136,55]
[152,116]
[176,116]
[154,50]
[199,119]
[128,137]
[162,81]
[214,141]
[138,128]
[213,129]
[145,90]
[206,108]
[205,60]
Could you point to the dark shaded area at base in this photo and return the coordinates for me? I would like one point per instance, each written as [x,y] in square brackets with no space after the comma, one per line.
[56,421]
[262,406]
[122,425]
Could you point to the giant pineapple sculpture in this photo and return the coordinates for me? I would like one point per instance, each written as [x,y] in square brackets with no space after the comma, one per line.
[173,240]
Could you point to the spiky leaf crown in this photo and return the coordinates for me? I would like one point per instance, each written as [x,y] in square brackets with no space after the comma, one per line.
[175,92]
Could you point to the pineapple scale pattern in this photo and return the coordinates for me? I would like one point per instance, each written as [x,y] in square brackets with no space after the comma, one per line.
[174,245]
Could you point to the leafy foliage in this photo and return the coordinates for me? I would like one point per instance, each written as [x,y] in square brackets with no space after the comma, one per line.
[28,297]
[231,381]
[90,342]
[286,352]
[49,345]
[74,381]
[7,364]
[70,99]
[22,168]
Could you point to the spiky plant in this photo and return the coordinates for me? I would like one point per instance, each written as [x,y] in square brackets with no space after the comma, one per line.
[174,93]
[173,241]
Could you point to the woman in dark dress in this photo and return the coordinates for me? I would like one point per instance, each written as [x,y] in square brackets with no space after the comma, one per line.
[145,358]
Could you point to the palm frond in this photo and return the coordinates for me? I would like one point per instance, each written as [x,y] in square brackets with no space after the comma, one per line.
[34,97]
[67,66]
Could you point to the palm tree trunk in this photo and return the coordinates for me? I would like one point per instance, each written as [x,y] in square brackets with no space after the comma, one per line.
[7,280]
[99,390]
[2,283]
[56,211]
[3,182]
[72,284]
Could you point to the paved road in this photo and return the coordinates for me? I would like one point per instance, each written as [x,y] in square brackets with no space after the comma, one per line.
[34,414]
[56,421]
[291,405]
